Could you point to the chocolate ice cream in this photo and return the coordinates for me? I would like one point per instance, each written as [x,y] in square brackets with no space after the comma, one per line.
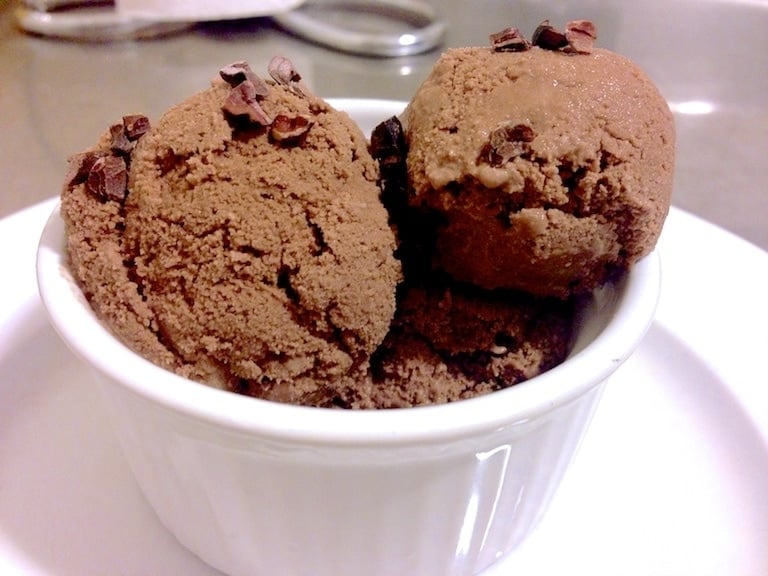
[452,341]
[248,247]
[243,240]
[545,168]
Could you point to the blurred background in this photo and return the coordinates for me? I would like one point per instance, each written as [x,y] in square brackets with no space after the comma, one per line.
[708,57]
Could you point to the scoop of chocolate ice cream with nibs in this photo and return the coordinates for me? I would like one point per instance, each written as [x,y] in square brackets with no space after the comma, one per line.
[240,240]
[542,166]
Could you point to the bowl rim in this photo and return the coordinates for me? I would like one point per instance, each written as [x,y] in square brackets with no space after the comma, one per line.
[636,298]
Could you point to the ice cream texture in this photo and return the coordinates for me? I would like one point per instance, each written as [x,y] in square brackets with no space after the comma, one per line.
[253,240]
[545,170]
[243,255]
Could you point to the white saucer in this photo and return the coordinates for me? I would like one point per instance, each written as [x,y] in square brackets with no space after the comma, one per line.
[672,478]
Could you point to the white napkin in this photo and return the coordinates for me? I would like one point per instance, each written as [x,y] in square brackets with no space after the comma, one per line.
[202,10]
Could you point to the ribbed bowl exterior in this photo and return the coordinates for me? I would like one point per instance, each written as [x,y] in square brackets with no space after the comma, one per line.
[250,508]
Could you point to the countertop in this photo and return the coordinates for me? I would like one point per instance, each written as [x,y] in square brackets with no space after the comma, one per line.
[708,57]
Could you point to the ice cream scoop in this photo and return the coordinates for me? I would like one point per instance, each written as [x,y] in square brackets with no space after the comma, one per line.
[545,168]
[248,248]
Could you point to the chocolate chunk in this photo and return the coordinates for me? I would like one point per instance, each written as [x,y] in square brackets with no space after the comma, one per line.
[80,165]
[234,73]
[507,141]
[388,143]
[389,148]
[282,71]
[289,129]
[119,144]
[581,36]
[509,40]
[167,160]
[247,89]
[547,37]
[239,72]
[135,126]
[509,132]
[108,178]
[241,101]
[415,227]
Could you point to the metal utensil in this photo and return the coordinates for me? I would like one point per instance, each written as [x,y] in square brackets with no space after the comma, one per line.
[425,30]
[97,20]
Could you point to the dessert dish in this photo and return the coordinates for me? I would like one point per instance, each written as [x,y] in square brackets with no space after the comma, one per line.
[445,489]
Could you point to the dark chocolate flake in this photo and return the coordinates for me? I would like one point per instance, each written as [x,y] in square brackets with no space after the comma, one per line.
[581,36]
[282,71]
[80,165]
[509,40]
[547,37]
[389,148]
[239,72]
[108,178]
[511,132]
[135,126]
[507,141]
[289,129]
[388,142]
[234,73]
[241,101]
[119,143]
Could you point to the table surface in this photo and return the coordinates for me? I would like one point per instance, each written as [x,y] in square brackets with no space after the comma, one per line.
[708,57]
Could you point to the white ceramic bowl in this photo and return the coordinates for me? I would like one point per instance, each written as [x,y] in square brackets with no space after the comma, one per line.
[260,488]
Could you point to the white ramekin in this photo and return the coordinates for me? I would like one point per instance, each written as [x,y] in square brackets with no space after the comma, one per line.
[260,488]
